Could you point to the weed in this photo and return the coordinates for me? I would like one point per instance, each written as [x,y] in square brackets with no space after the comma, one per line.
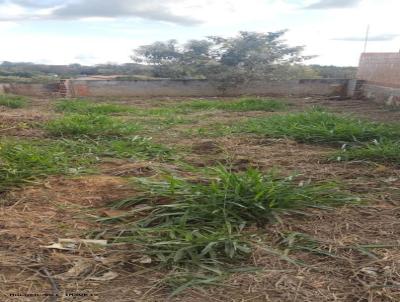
[203,225]
[12,101]
[24,161]
[87,107]
[92,125]
[317,126]
[166,122]
[132,148]
[377,151]
[243,104]
[162,111]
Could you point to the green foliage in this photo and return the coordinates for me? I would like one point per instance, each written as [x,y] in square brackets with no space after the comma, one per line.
[225,61]
[24,161]
[239,105]
[335,72]
[203,226]
[386,151]
[136,147]
[243,104]
[33,73]
[12,101]
[316,126]
[92,125]
[88,107]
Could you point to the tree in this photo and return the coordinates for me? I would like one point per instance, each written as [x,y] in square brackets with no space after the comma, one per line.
[163,56]
[225,61]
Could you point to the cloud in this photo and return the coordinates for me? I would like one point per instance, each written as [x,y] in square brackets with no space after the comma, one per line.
[81,9]
[374,38]
[329,4]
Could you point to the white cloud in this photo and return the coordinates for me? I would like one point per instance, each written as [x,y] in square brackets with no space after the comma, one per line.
[99,41]
[329,4]
[78,9]
[65,50]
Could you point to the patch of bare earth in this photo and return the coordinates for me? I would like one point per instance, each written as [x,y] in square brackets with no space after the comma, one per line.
[22,122]
[59,207]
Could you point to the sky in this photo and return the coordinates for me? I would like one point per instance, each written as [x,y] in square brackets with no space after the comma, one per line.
[106,31]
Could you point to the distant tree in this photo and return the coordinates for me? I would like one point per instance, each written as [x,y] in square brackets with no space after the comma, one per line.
[226,61]
[163,56]
[338,72]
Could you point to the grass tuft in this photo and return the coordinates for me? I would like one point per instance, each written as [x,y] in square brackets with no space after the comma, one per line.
[87,107]
[204,226]
[243,104]
[316,126]
[92,125]
[25,161]
[385,151]
[12,101]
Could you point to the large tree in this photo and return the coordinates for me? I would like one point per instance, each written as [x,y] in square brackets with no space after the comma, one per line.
[226,61]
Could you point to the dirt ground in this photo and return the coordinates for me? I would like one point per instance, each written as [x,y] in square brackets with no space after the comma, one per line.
[37,215]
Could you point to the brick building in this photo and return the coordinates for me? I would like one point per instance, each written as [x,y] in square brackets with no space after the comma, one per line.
[380,68]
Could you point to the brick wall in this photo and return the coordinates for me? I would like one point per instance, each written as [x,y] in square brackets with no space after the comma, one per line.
[380,68]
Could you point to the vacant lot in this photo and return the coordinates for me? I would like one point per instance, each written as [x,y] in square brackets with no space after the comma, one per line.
[199,200]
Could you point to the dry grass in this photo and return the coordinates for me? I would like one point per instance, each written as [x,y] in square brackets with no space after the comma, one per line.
[338,268]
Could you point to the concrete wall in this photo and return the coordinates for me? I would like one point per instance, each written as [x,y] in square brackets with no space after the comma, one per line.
[177,88]
[380,68]
[37,90]
[189,88]
[386,95]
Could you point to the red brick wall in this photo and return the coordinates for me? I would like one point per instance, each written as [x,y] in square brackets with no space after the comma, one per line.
[380,68]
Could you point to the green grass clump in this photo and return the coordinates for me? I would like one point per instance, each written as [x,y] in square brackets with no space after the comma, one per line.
[317,126]
[25,161]
[241,105]
[92,125]
[197,225]
[12,101]
[386,151]
[136,147]
[87,107]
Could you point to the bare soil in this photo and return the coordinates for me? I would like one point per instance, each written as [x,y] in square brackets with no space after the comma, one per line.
[37,215]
